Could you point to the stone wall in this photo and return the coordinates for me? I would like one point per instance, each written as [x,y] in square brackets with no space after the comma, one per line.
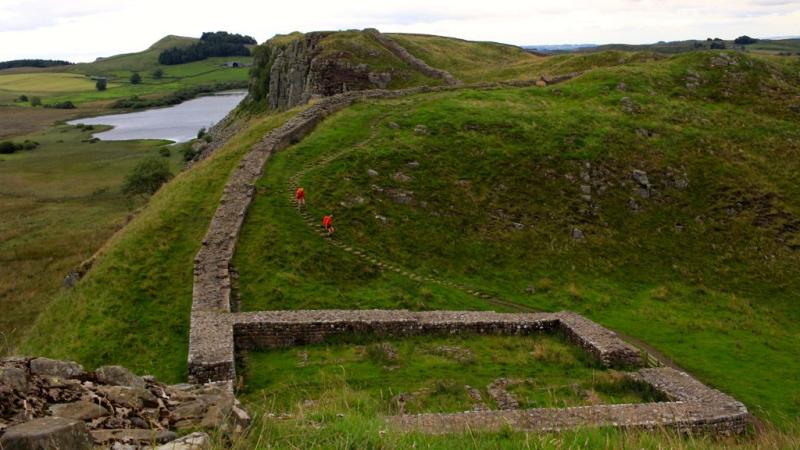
[698,409]
[412,60]
[217,336]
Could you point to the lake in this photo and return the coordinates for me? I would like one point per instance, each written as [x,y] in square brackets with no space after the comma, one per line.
[178,123]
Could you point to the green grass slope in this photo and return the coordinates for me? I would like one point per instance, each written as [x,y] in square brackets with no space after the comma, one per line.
[133,306]
[60,202]
[703,266]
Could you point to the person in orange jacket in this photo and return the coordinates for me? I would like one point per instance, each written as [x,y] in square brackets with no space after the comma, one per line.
[327,223]
[300,196]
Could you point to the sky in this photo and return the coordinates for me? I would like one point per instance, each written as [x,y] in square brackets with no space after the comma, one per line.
[82,30]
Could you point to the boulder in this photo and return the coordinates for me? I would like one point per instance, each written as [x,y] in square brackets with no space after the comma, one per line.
[413,164]
[134,398]
[372,173]
[78,410]
[53,368]
[577,234]
[47,433]
[194,441]
[421,129]
[14,378]
[119,376]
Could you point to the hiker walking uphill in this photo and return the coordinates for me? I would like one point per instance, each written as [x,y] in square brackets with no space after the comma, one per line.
[327,223]
[300,196]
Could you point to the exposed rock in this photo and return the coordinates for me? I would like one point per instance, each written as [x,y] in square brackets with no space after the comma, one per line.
[640,177]
[372,173]
[381,219]
[413,164]
[119,376]
[577,234]
[517,225]
[15,378]
[629,106]
[400,177]
[53,368]
[393,125]
[586,189]
[134,398]
[194,441]
[531,289]
[82,410]
[400,196]
[460,354]
[421,129]
[503,398]
[133,436]
[621,86]
[47,433]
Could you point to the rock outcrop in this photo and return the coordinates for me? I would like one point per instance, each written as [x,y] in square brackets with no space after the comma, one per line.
[46,403]
[299,70]
[291,70]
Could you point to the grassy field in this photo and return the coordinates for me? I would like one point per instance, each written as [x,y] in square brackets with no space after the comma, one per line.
[73,83]
[61,201]
[133,307]
[429,374]
[703,265]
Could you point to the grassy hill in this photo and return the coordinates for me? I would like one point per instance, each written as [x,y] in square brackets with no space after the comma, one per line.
[656,195]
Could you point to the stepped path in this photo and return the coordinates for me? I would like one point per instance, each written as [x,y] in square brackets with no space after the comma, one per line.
[315,225]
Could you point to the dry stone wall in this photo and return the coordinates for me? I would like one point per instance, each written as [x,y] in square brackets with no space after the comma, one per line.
[217,336]
[412,60]
[693,407]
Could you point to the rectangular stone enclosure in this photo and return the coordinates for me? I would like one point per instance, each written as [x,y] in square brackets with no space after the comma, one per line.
[691,406]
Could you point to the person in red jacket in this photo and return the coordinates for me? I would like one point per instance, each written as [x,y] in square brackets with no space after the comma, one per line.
[327,223]
[300,196]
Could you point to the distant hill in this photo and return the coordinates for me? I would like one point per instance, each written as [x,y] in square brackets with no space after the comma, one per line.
[557,47]
[772,46]
[139,61]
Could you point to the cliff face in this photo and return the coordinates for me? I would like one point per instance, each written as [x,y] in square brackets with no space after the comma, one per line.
[301,69]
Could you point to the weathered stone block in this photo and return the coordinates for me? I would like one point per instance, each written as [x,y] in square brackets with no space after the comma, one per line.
[45,434]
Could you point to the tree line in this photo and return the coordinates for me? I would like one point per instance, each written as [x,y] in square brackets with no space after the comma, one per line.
[220,43]
[32,63]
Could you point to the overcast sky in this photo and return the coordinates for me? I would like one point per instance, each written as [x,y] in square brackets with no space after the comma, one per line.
[81,30]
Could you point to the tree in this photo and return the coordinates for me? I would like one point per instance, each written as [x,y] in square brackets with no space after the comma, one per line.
[718,45]
[36,101]
[23,98]
[136,78]
[7,147]
[101,84]
[147,177]
[745,40]
[157,74]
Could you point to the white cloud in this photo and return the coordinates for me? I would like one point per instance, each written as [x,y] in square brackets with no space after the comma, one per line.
[84,29]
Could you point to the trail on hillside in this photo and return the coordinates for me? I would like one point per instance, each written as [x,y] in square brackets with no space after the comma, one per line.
[314,225]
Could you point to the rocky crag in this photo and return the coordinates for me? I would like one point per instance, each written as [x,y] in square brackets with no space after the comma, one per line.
[295,69]
[47,403]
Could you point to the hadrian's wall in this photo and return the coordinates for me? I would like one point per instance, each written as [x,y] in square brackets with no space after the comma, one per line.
[217,332]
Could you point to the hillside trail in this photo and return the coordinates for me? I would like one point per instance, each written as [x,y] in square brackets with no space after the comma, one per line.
[658,359]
